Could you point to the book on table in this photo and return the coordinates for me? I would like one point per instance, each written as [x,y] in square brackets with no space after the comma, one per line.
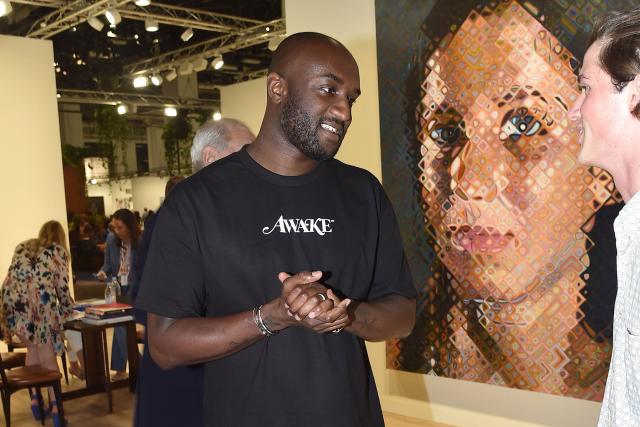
[104,312]
[106,321]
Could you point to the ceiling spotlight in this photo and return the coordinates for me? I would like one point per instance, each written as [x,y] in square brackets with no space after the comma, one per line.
[187,34]
[93,181]
[171,75]
[58,95]
[274,42]
[200,64]
[140,81]
[95,23]
[156,79]
[185,68]
[217,62]
[122,109]
[217,116]
[142,2]
[170,112]
[151,25]
[113,16]
[5,7]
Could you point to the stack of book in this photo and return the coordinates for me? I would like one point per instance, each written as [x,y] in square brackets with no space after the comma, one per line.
[107,313]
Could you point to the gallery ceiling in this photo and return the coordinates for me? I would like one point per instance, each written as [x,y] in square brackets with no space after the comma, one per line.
[92,55]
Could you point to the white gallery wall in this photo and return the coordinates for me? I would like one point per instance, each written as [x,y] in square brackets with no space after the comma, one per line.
[147,192]
[31,182]
[245,101]
[131,193]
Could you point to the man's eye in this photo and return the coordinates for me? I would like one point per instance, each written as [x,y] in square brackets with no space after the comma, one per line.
[327,89]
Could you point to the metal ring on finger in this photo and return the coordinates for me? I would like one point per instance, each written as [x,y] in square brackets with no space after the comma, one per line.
[322,296]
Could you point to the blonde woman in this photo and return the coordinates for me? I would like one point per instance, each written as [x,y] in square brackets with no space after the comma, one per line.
[36,301]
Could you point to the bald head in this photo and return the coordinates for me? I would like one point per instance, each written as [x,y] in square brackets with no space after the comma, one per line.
[312,84]
[304,46]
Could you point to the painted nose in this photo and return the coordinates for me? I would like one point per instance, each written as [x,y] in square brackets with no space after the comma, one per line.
[461,165]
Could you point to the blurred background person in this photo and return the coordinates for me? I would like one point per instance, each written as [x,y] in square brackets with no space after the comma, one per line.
[36,301]
[111,263]
[217,139]
[127,230]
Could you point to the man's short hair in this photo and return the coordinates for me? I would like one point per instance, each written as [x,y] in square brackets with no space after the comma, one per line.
[619,32]
[214,134]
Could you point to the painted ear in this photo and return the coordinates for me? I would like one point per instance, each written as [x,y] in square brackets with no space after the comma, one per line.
[276,87]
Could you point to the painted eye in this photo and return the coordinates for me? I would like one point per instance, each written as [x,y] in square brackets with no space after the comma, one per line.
[535,127]
[446,135]
[519,125]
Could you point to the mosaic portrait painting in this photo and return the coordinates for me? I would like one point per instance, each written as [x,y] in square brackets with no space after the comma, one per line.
[510,240]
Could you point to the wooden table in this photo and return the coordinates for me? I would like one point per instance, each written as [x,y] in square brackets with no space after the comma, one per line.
[96,359]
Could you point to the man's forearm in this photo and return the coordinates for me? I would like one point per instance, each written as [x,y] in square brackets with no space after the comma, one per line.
[176,342]
[389,317]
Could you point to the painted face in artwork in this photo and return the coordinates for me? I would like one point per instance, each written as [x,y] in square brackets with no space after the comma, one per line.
[504,196]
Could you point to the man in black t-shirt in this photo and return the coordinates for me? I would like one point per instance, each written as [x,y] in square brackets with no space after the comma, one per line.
[274,264]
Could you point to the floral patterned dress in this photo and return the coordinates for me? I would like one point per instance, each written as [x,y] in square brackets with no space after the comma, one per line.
[35,295]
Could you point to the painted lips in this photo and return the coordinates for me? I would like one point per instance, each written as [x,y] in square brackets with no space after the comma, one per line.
[479,239]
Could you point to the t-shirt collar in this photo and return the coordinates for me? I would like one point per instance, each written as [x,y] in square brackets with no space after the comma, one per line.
[274,178]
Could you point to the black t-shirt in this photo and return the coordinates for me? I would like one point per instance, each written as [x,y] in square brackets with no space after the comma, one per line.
[221,239]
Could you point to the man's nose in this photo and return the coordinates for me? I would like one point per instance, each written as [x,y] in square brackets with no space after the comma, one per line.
[574,111]
[341,109]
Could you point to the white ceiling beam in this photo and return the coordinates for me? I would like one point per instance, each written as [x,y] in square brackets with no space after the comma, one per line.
[209,48]
[42,3]
[71,96]
[74,13]
[188,17]
[70,15]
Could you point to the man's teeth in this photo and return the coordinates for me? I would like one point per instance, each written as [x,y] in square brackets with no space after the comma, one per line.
[329,128]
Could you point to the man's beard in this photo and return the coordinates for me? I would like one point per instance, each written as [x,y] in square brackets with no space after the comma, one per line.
[301,131]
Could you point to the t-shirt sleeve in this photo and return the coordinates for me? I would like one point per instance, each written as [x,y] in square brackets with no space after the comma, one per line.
[392,274]
[172,281]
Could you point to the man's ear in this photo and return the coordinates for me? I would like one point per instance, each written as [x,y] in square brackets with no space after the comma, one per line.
[634,96]
[209,155]
[276,87]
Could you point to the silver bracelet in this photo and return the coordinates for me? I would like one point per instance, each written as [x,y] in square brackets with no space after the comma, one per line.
[257,319]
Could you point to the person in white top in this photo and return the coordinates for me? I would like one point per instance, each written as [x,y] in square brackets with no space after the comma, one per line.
[608,113]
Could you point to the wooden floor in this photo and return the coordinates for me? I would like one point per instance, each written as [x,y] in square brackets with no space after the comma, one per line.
[92,411]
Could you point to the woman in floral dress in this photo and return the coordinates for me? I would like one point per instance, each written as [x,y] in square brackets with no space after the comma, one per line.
[36,300]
